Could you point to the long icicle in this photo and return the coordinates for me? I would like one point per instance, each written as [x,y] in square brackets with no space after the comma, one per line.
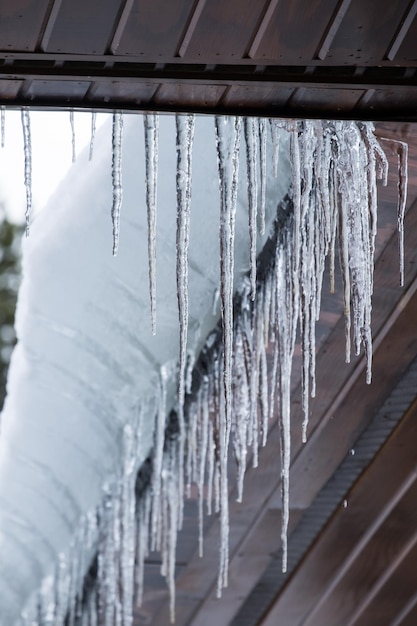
[27,148]
[262,131]
[3,126]
[116,172]
[151,127]
[93,135]
[400,148]
[72,124]
[227,140]
[251,141]
[185,135]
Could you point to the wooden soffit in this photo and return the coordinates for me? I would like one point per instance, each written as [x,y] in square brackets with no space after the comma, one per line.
[324,58]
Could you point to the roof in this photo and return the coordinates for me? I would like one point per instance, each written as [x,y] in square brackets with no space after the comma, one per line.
[330,58]
[354,528]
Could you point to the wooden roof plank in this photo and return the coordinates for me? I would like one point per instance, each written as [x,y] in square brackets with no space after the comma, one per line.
[408,552]
[408,614]
[348,526]
[83,27]
[223,30]
[21,23]
[316,613]
[397,593]
[191,26]
[332,28]
[402,30]
[364,32]
[293,31]
[154,29]
[407,49]
[371,563]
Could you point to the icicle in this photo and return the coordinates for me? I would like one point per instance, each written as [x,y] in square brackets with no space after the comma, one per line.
[402,152]
[159,439]
[173,503]
[93,135]
[210,469]
[127,555]
[72,123]
[185,135]
[117,136]
[400,148]
[27,147]
[3,125]
[142,541]
[287,298]
[262,172]
[251,140]
[264,397]
[204,442]
[227,139]
[151,127]
[334,170]
[241,409]
[275,132]
[254,337]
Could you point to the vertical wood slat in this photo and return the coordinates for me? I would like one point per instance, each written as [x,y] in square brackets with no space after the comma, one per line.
[256,42]
[121,25]
[332,28]
[49,24]
[191,26]
[402,31]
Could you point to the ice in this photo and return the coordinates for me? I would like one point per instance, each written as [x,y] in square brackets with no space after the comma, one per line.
[27,148]
[93,134]
[72,124]
[228,144]
[262,131]
[185,136]
[116,173]
[251,140]
[221,391]
[3,125]
[204,440]
[400,148]
[151,127]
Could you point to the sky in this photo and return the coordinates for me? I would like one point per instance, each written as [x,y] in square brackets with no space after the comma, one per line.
[51,156]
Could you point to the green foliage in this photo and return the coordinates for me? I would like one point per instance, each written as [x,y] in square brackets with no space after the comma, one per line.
[10,244]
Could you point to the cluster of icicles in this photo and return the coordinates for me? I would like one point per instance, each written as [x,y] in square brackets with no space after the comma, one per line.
[231,394]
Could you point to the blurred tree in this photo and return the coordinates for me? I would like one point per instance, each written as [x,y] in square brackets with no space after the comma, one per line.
[10,247]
